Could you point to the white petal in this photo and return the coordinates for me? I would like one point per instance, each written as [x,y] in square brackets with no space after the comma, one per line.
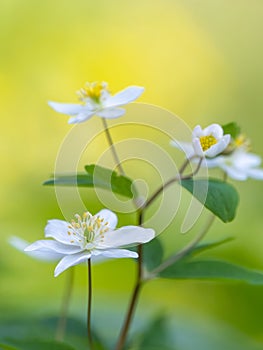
[234,173]
[67,108]
[81,117]
[18,243]
[21,244]
[212,162]
[126,235]
[111,113]
[109,217]
[219,147]
[50,245]
[186,147]
[255,174]
[246,160]
[197,147]
[58,229]
[71,260]
[214,130]
[117,253]
[197,132]
[125,96]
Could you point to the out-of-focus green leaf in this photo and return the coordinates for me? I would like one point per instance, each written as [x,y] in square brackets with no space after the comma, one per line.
[37,344]
[96,176]
[7,347]
[152,254]
[200,248]
[16,332]
[232,128]
[217,196]
[157,336]
[212,269]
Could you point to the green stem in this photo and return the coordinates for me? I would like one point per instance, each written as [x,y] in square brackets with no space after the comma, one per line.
[183,252]
[89,305]
[140,278]
[112,147]
[61,327]
[170,182]
[132,305]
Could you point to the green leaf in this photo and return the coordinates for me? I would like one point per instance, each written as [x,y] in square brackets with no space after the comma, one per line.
[96,176]
[7,347]
[200,248]
[219,197]
[152,254]
[39,344]
[232,128]
[156,336]
[212,269]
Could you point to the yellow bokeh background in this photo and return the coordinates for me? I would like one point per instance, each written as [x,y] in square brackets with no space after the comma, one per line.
[200,59]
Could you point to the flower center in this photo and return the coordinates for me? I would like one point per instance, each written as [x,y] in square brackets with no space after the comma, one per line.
[88,230]
[92,91]
[207,141]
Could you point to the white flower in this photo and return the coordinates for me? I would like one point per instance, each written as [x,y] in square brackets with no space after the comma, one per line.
[89,237]
[96,100]
[211,141]
[239,165]
[208,142]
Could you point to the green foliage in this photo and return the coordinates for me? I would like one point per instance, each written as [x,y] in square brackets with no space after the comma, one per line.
[7,347]
[211,269]
[202,247]
[96,176]
[38,334]
[33,344]
[217,196]
[156,336]
[152,254]
[232,128]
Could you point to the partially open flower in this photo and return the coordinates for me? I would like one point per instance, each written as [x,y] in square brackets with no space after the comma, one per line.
[97,100]
[210,141]
[89,237]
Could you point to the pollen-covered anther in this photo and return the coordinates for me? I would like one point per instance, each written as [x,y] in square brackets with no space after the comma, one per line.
[92,90]
[207,141]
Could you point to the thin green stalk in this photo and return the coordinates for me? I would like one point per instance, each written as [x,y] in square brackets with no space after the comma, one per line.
[89,305]
[61,327]
[140,277]
[133,303]
[112,147]
[177,178]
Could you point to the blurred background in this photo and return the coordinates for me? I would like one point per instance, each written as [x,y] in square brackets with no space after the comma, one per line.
[200,59]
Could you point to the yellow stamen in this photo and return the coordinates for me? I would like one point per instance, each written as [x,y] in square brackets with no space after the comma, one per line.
[93,91]
[207,142]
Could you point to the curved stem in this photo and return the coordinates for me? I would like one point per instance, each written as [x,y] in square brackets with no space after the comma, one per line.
[171,181]
[184,251]
[61,327]
[132,305]
[89,305]
[113,149]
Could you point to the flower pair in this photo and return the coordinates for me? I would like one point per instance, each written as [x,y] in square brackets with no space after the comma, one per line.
[222,151]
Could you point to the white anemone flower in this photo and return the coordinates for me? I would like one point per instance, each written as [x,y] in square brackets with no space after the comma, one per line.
[97,100]
[239,165]
[89,237]
[208,142]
